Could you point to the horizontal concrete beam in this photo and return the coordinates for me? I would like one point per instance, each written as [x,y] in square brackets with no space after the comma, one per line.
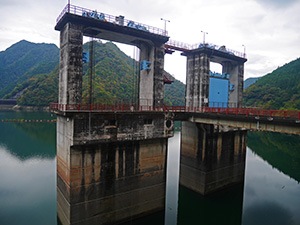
[110,31]
[262,124]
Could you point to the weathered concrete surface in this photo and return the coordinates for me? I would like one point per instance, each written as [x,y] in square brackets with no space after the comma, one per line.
[70,64]
[92,128]
[236,72]
[112,182]
[72,28]
[110,31]
[109,181]
[151,82]
[288,126]
[210,159]
[197,80]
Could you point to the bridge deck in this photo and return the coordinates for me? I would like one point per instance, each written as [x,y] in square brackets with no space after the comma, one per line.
[246,112]
[257,119]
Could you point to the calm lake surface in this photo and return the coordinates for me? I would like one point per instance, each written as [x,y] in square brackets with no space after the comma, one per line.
[270,195]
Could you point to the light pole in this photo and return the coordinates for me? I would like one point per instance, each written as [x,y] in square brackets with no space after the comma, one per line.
[165,33]
[203,36]
[244,51]
[68,6]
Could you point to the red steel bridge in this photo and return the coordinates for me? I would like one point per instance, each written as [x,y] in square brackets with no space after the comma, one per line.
[248,118]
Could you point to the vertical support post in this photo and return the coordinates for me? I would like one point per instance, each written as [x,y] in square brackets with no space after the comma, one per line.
[68,6]
[91,71]
[236,72]
[151,82]
[70,63]
[197,80]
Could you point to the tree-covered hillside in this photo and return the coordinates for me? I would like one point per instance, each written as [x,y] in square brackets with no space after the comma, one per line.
[277,90]
[248,82]
[25,58]
[115,77]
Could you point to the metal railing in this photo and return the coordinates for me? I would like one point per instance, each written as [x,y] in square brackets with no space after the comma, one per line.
[181,46]
[76,10]
[141,108]
[177,45]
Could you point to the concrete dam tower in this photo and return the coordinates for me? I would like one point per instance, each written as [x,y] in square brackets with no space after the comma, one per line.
[212,156]
[111,167]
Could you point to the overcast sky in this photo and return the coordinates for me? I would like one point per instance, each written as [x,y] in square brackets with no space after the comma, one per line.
[270,29]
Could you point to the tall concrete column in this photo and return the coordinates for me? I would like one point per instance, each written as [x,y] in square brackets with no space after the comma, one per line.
[211,160]
[236,72]
[197,80]
[158,65]
[151,86]
[70,64]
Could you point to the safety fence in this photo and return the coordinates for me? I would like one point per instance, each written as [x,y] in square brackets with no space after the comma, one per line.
[181,46]
[56,107]
[118,20]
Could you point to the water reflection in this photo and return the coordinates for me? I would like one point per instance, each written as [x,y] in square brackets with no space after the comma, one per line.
[282,151]
[271,194]
[172,179]
[26,140]
[27,190]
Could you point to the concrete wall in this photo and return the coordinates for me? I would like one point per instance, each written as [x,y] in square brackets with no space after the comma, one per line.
[236,72]
[87,128]
[70,64]
[210,159]
[151,86]
[197,80]
[108,182]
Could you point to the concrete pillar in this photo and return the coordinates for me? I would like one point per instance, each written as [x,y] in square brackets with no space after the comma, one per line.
[151,86]
[70,64]
[236,72]
[197,80]
[210,159]
[110,181]
[158,87]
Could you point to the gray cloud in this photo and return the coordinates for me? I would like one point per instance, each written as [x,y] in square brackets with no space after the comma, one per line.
[276,3]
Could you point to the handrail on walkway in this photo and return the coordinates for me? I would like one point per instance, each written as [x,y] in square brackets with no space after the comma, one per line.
[146,108]
[181,46]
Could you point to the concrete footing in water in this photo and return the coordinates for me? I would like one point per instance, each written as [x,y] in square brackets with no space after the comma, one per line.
[108,182]
[211,158]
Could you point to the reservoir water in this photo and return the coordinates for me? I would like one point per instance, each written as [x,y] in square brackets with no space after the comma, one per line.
[270,194]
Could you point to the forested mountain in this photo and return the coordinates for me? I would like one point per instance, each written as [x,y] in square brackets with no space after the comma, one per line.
[115,77]
[24,60]
[277,90]
[250,81]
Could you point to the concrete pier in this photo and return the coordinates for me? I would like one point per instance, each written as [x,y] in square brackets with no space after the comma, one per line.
[211,158]
[111,182]
[110,168]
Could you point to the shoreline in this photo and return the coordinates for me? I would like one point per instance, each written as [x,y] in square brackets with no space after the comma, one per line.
[23,108]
